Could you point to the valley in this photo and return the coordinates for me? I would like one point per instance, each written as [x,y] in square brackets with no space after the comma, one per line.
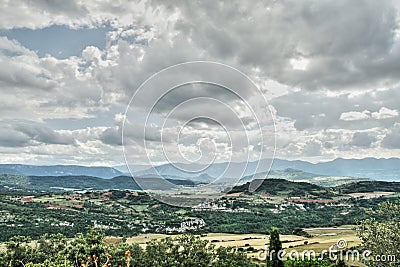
[291,206]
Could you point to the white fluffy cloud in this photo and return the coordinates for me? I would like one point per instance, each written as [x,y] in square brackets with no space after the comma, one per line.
[385,113]
[355,115]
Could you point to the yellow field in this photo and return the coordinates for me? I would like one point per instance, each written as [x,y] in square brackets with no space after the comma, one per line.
[322,238]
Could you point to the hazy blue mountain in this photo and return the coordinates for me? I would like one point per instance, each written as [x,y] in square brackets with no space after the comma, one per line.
[198,171]
[124,169]
[59,170]
[377,169]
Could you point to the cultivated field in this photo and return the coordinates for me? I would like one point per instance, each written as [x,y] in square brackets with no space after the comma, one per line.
[320,239]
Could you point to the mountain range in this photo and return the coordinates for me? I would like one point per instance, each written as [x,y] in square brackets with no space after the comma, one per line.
[59,170]
[372,168]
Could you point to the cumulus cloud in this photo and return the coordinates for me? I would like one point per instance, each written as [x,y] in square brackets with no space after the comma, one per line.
[385,113]
[355,115]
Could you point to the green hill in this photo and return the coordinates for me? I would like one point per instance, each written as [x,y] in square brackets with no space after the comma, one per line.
[369,186]
[288,188]
[295,175]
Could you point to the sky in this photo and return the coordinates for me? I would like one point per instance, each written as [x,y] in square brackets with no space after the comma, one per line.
[325,80]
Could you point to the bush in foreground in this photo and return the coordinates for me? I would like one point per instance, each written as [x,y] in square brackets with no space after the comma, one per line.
[91,250]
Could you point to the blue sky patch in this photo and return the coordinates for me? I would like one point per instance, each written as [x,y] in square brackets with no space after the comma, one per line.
[58,41]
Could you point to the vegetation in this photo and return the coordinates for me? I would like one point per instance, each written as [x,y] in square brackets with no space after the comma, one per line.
[275,245]
[370,186]
[381,235]
[50,219]
[91,250]
[291,189]
[127,213]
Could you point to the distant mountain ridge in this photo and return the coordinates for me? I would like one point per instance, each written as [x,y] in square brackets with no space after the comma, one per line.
[373,168]
[377,169]
[79,183]
[59,170]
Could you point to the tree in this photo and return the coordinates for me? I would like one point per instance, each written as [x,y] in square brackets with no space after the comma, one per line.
[381,235]
[91,250]
[275,245]
[18,251]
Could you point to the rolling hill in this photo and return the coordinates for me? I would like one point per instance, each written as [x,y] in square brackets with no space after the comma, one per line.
[370,186]
[287,188]
[301,176]
[77,183]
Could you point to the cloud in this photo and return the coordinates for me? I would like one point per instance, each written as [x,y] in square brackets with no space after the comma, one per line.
[362,139]
[31,134]
[312,149]
[362,55]
[392,138]
[12,138]
[355,115]
[111,136]
[43,134]
[365,54]
[335,66]
[320,110]
[12,47]
[385,113]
